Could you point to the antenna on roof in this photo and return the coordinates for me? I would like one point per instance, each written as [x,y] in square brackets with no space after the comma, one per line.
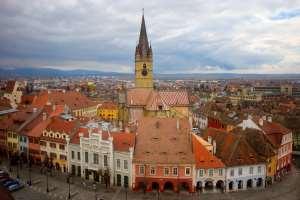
[143,10]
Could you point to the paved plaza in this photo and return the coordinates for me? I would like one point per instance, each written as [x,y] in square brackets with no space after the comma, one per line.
[287,189]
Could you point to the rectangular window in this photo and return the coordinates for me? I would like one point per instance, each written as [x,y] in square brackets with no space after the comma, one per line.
[240,171]
[142,170]
[201,172]
[118,164]
[187,171]
[72,154]
[166,171]
[53,155]
[220,172]
[259,169]
[105,161]
[125,164]
[152,171]
[43,143]
[52,145]
[175,171]
[62,147]
[210,172]
[62,157]
[86,155]
[78,155]
[251,170]
[232,172]
[96,158]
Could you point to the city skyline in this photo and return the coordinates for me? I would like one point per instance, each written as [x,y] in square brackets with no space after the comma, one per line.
[194,37]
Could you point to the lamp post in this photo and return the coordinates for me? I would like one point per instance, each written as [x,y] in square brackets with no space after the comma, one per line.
[47,171]
[95,189]
[29,172]
[18,165]
[126,189]
[69,181]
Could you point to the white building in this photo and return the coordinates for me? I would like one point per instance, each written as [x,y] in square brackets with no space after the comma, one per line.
[91,153]
[245,177]
[94,152]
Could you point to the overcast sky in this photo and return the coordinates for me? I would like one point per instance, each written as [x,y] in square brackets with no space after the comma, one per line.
[190,36]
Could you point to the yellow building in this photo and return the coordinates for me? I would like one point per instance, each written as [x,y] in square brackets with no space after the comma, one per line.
[12,141]
[143,60]
[271,167]
[108,111]
[53,142]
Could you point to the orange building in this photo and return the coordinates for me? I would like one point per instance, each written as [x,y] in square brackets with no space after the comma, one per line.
[163,158]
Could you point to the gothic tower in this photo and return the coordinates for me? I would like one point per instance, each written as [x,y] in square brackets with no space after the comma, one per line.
[143,60]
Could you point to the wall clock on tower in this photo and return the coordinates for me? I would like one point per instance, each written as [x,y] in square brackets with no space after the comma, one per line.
[144,70]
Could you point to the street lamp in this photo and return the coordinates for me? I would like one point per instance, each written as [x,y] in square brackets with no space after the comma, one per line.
[126,187]
[29,172]
[69,181]
[47,171]
[18,164]
[95,189]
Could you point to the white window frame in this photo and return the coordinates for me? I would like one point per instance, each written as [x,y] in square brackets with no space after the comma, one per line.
[189,174]
[141,169]
[175,174]
[152,170]
[125,165]
[201,172]
[168,169]
[118,164]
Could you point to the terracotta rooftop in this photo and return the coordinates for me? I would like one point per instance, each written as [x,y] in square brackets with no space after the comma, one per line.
[75,100]
[108,105]
[153,99]
[58,124]
[233,149]
[204,158]
[163,140]
[123,141]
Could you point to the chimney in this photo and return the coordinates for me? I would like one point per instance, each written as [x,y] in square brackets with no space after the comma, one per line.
[44,116]
[214,147]
[209,139]
[261,122]
[270,119]
[53,107]
[177,124]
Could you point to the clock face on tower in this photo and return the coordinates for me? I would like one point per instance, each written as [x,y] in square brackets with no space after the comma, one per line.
[144,70]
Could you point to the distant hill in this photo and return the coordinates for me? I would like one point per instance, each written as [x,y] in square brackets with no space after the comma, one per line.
[30,72]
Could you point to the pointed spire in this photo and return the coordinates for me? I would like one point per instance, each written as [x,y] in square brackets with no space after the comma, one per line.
[143,45]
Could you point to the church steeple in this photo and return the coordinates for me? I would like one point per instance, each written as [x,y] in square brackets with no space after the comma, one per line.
[143,60]
[143,49]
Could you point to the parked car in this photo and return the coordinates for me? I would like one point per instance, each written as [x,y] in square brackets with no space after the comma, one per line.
[15,186]
[9,182]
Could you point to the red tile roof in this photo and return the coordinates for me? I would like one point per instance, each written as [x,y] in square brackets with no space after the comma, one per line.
[152,98]
[75,100]
[204,158]
[108,105]
[123,141]
[163,141]
[233,149]
[58,124]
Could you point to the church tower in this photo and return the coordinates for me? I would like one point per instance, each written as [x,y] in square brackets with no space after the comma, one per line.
[143,60]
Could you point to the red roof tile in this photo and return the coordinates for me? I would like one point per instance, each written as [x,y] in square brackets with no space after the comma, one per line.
[204,158]
[123,141]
